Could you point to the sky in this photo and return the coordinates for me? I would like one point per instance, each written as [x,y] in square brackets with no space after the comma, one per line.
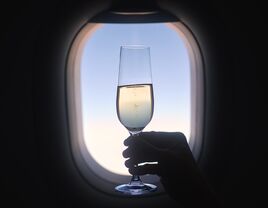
[103,133]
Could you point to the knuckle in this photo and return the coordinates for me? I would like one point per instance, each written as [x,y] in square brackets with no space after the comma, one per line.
[129,163]
[125,153]
[126,163]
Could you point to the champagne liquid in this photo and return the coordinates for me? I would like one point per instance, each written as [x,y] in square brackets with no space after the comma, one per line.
[135,106]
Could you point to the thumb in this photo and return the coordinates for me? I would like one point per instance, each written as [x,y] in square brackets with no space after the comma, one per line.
[147,168]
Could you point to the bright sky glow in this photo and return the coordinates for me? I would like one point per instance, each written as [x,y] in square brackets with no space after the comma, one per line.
[103,133]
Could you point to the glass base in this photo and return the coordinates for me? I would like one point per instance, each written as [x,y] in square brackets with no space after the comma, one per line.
[129,189]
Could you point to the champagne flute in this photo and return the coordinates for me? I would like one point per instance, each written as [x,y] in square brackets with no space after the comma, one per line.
[135,102]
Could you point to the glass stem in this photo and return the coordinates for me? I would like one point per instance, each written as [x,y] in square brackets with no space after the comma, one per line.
[135,180]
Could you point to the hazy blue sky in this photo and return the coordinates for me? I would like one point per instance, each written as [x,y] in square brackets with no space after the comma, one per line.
[104,134]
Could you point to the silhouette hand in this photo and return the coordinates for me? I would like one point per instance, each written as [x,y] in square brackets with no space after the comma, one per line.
[170,150]
[176,166]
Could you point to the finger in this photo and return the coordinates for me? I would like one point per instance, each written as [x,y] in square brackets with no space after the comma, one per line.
[127,153]
[141,152]
[130,163]
[133,151]
[134,146]
[163,140]
[143,135]
[144,169]
[128,141]
[139,149]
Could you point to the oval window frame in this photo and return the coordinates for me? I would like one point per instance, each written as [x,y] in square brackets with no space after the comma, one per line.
[95,175]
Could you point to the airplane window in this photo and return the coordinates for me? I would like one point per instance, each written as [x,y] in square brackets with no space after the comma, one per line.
[92,82]
[103,133]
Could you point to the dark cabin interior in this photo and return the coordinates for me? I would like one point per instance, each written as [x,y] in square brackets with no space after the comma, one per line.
[37,169]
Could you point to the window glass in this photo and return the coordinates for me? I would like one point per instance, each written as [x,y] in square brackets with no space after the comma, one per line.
[103,133]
